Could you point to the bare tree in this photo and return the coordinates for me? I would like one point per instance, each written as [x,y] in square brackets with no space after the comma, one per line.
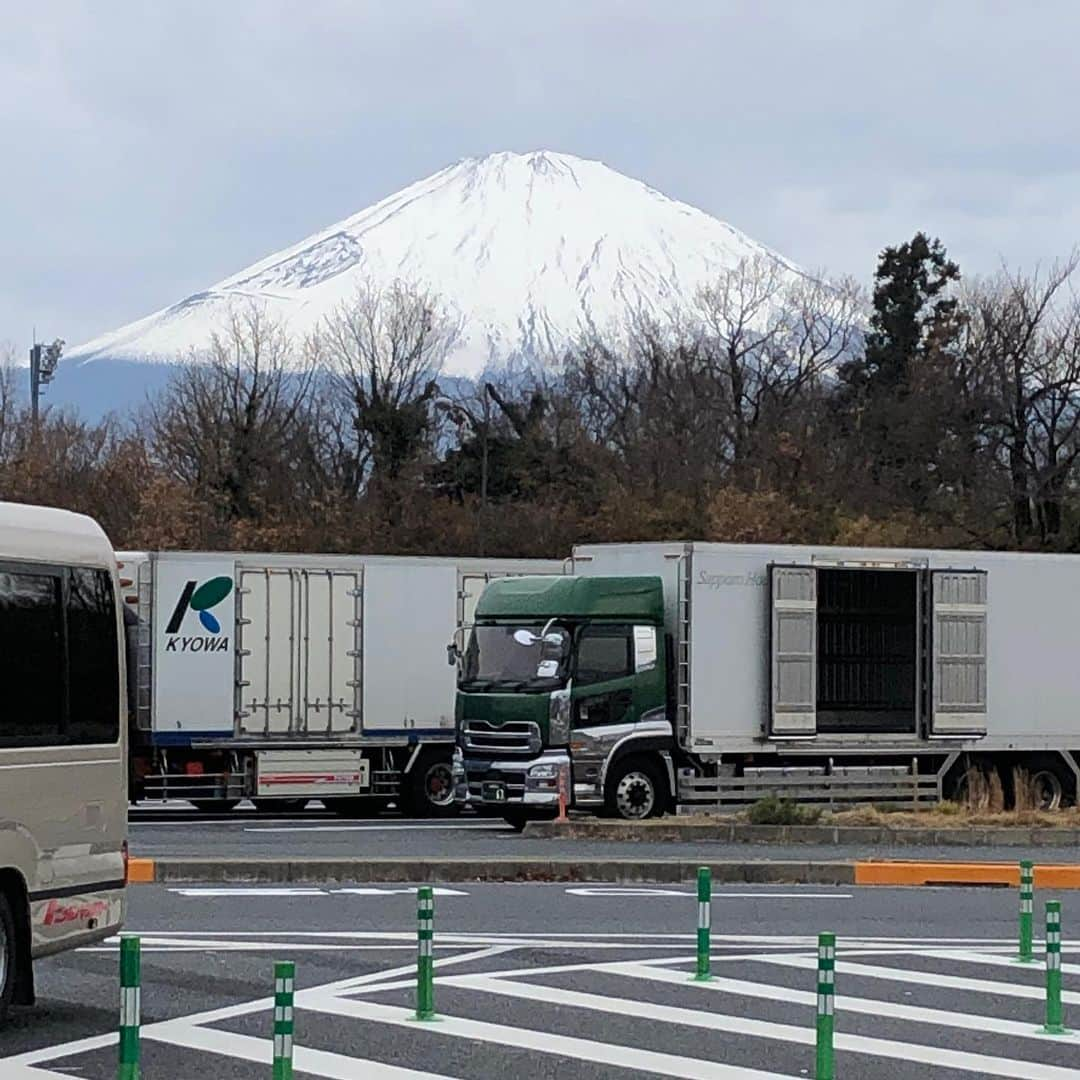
[385,349]
[767,340]
[232,423]
[1023,348]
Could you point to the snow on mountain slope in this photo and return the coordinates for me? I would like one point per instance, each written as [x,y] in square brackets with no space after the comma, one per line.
[525,248]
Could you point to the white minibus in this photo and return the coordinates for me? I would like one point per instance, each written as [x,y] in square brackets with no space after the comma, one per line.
[63,772]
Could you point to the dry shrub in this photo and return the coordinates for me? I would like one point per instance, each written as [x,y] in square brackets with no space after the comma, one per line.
[1026,796]
[983,793]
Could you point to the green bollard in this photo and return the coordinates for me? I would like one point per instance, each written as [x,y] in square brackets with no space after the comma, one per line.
[1055,1021]
[826,987]
[130,994]
[425,962]
[1027,899]
[284,980]
[704,924]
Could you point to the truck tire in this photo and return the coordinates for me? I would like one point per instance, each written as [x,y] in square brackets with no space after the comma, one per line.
[635,789]
[279,806]
[214,806]
[9,954]
[1053,781]
[428,791]
[356,806]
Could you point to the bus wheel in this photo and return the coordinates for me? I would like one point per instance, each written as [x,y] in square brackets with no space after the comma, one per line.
[8,954]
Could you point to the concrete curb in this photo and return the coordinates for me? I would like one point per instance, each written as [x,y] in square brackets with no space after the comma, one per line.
[739,832]
[591,871]
[615,871]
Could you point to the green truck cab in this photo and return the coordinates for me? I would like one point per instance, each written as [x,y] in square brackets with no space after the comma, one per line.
[565,679]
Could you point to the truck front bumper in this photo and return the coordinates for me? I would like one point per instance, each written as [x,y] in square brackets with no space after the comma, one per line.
[532,783]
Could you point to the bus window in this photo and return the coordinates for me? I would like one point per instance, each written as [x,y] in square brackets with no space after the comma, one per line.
[93,676]
[31,658]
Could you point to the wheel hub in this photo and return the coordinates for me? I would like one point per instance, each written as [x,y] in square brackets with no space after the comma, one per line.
[635,796]
[440,785]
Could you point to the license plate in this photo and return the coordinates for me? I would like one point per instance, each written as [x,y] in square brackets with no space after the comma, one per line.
[494,792]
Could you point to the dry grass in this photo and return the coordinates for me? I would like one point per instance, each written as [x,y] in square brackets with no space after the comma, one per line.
[944,817]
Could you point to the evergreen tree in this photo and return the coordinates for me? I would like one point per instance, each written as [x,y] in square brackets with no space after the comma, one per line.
[896,400]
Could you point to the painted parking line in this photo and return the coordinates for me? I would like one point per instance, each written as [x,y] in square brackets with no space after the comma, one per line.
[609,891]
[717,1007]
[470,826]
[254,892]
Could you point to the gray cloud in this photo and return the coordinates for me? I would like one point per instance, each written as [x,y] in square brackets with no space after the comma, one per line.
[151,149]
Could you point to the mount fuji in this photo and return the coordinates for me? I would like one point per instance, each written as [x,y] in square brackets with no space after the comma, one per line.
[524,249]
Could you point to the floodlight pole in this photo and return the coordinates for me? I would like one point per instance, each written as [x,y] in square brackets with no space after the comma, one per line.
[43,362]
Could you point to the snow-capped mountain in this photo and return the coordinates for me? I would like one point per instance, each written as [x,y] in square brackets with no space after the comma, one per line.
[524,249]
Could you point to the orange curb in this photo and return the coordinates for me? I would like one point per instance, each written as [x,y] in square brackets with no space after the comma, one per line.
[1048,876]
[140,871]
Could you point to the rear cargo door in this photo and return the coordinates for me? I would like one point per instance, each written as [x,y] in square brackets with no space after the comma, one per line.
[958,626]
[299,638]
[793,642]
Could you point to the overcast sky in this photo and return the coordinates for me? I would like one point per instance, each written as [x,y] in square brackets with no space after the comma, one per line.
[153,148]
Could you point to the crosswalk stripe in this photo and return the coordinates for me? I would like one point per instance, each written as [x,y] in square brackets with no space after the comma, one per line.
[915,1014]
[322,1063]
[626,1057]
[765,1029]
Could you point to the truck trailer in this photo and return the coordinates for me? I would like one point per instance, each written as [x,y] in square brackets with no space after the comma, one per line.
[665,676]
[282,678]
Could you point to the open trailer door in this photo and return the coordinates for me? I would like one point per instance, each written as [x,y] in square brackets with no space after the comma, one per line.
[793,643]
[958,628]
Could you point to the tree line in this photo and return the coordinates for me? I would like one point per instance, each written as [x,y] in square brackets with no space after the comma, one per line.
[937,411]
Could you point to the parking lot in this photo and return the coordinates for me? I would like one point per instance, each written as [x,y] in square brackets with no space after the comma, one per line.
[542,980]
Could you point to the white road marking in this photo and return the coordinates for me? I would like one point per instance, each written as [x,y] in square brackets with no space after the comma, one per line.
[464,827]
[871,1006]
[983,1064]
[627,1057]
[999,960]
[229,1012]
[239,891]
[372,890]
[923,978]
[305,1060]
[635,891]
[198,891]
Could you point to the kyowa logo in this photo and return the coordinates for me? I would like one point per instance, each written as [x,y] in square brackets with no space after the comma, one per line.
[201,599]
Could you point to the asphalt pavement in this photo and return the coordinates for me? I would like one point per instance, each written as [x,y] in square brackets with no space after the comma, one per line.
[320,836]
[541,980]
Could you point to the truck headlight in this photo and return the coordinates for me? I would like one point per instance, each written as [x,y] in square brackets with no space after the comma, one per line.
[457,764]
[559,717]
[544,772]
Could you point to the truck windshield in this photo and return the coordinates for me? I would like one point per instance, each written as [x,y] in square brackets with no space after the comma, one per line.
[515,657]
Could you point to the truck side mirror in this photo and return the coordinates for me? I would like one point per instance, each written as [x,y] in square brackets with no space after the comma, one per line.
[453,654]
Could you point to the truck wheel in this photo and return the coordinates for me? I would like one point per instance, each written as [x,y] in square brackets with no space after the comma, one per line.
[1052,783]
[279,806]
[8,955]
[516,819]
[214,806]
[356,806]
[634,790]
[429,789]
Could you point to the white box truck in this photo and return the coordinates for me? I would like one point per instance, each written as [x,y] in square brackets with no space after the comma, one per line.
[696,674]
[287,677]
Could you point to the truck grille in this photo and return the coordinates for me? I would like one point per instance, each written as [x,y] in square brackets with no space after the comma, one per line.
[515,737]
